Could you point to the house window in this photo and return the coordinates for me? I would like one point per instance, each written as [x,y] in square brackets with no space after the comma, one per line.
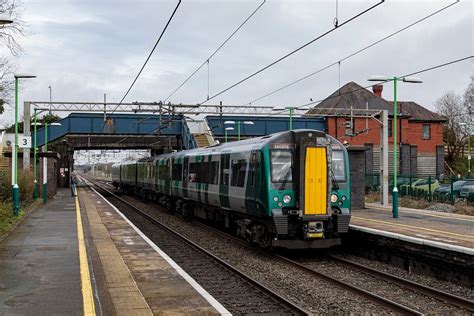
[426,132]
[390,128]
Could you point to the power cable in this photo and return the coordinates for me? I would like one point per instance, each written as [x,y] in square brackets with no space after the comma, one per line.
[350,55]
[148,58]
[283,112]
[293,52]
[215,52]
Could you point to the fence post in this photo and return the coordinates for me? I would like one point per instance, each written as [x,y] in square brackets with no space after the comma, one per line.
[409,187]
[452,190]
[429,188]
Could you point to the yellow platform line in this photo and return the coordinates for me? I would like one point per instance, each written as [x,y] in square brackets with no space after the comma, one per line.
[439,232]
[86,286]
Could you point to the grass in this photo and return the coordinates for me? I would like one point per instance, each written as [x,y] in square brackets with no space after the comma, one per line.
[7,219]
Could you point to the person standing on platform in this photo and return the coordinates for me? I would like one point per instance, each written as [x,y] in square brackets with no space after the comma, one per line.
[73,184]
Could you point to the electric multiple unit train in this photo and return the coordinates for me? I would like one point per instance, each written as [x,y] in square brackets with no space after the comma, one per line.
[289,189]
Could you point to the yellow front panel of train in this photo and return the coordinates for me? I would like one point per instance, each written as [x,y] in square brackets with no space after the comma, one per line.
[315,192]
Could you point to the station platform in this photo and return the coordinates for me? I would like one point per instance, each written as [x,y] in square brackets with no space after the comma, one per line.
[81,256]
[447,231]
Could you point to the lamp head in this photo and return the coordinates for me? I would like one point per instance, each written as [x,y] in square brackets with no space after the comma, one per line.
[5,20]
[24,76]
[412,80]
[378,78]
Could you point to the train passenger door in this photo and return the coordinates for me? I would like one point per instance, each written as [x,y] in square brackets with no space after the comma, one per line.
[315,183]
[251,189]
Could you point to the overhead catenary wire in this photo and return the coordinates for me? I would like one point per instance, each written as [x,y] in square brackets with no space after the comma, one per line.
[350,55]
[147,59]
[303,106]
[284,111]
[294,51]
[215,51]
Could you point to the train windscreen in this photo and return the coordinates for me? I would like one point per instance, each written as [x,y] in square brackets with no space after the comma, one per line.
[282,165]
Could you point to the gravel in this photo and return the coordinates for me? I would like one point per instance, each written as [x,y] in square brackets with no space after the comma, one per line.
[313,294]
[442,207]
[449,287]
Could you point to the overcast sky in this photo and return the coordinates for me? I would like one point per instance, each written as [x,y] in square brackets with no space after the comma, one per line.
[85,48]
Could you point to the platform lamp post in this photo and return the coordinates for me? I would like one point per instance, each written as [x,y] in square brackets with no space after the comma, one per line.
[45,161]
[238,125]
[395,114]
[469,131]
[16,188]
[291,109]
[35,151]
[225,132]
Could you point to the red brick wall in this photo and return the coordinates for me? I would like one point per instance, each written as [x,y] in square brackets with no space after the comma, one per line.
[411,133]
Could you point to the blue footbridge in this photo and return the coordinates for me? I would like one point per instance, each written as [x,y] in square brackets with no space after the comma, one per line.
[174,132]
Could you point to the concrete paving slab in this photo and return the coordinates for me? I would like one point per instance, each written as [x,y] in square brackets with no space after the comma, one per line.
[39,264]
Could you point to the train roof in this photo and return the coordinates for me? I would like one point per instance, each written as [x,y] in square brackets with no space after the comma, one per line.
[250,143]
[246,144]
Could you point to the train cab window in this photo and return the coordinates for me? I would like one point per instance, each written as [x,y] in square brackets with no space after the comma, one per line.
[239,169]
[177,172]
[338,166]
[282,166]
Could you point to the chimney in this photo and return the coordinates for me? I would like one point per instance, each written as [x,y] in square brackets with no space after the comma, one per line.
[377,90]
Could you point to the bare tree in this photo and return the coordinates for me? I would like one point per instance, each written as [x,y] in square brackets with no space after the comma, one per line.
[10,33]
[6,82]
[451,106]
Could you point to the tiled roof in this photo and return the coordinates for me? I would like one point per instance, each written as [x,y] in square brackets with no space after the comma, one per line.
[353,94]
[418,112]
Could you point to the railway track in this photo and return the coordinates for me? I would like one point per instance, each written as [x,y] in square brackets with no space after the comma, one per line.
[389,304]
[239,293]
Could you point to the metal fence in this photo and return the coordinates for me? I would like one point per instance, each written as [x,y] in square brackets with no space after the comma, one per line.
[441,189]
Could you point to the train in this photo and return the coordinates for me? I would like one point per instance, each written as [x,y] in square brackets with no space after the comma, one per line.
[285,190]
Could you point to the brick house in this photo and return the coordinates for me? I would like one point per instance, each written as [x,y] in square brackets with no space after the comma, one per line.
[420,131]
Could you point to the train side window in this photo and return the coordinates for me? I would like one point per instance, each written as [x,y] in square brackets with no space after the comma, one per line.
[213,172]
[192,172]
[177,172]
[225,171]
[239,169]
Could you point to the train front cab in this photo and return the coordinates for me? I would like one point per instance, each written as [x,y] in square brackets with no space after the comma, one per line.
[313,221]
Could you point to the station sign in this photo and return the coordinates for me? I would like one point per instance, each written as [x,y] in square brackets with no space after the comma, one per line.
[23,141]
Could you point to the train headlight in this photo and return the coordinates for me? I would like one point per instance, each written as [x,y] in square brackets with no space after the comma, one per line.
[343,198]
[286,199]
[334,198]
[275,198]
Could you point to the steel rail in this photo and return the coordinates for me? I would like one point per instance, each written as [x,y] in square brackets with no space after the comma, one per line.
[430,291]
[392,305]
[275,295]
[379,300]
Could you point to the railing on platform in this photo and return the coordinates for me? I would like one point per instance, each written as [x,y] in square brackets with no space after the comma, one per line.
[438,189]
